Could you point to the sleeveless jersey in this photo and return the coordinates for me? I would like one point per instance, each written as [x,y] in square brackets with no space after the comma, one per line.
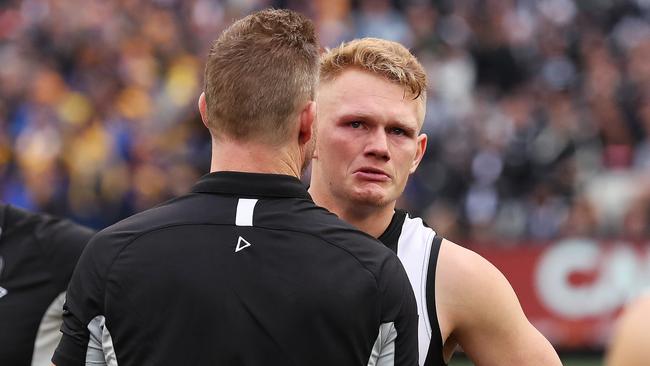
[417,246]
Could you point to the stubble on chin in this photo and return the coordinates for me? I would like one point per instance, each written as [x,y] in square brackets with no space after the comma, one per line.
[368,198]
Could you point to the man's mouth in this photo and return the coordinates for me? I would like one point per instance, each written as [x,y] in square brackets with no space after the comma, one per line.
[372,174]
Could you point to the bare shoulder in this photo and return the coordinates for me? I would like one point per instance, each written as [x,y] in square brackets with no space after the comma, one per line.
[467,279]
[630,343]
[472,292]
[638,312]
[480,311]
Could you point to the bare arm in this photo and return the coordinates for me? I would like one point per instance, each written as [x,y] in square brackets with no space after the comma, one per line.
[631,343]
[480,311]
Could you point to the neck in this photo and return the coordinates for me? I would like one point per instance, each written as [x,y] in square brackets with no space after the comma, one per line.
[254,157]
[373,220]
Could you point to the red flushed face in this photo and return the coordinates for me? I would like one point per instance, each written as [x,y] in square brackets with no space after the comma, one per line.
[367,138]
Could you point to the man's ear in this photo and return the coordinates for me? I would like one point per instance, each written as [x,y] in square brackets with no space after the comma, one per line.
[202,109]
[307,121]
[421,148]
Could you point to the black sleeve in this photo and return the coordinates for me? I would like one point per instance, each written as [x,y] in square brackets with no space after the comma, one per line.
[62,242]
[399,306]
[84,301]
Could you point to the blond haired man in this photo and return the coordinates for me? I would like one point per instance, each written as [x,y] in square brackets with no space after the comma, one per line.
[246,269]
[372,99]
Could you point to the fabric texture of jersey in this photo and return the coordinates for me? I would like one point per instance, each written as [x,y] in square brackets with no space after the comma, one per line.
[244,270]
[417,246]
[38,253]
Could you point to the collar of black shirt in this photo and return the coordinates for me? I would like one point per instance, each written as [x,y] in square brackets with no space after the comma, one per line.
[252,184]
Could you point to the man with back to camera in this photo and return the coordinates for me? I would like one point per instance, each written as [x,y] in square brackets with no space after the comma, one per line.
[38,253]
[246,269]
[372,98]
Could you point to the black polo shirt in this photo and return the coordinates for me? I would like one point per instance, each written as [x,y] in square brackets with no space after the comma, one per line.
[245,270]
[38,253]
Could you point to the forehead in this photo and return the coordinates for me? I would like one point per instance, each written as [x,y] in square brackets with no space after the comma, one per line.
[360,93]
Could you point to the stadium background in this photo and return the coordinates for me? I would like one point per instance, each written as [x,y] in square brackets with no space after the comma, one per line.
[538,121]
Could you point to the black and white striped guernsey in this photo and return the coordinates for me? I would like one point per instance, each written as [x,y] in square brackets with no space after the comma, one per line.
[417,246]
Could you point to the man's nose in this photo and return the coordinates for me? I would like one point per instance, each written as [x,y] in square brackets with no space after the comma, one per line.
[377,145]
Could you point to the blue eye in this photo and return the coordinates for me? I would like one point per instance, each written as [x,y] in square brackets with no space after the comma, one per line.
[397,131]
[355,124]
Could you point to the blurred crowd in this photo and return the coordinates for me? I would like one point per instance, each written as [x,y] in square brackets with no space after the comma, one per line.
[538,111]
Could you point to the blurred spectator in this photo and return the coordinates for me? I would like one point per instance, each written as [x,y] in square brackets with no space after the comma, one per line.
[538,112]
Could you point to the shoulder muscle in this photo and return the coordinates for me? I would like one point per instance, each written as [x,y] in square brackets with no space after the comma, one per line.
[483,313]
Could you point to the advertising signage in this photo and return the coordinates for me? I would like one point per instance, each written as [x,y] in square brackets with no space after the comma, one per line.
[573,290]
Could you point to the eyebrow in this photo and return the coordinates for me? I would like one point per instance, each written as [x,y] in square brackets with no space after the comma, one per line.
[354,114]
[350,116]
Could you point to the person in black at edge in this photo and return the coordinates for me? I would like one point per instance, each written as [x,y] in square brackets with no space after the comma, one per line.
[38,253]
[245,269]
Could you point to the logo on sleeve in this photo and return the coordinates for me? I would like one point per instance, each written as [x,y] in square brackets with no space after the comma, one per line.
[3,291]
[241,244]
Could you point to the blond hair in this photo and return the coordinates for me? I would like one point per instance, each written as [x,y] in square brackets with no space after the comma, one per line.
[385,58]
[258,72]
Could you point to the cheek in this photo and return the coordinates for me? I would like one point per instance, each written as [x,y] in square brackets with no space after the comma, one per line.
[330,154]
[405,162]
[341,148]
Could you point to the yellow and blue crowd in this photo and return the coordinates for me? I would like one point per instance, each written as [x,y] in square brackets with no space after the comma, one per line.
[538,112]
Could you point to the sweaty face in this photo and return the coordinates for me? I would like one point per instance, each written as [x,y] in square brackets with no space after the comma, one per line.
[368,140]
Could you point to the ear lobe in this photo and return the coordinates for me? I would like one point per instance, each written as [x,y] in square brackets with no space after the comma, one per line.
[203,109]
[421,148]
[314,137]
[307,119]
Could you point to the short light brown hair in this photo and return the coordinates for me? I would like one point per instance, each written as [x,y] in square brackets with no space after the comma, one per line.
[258,72]
[385,58]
